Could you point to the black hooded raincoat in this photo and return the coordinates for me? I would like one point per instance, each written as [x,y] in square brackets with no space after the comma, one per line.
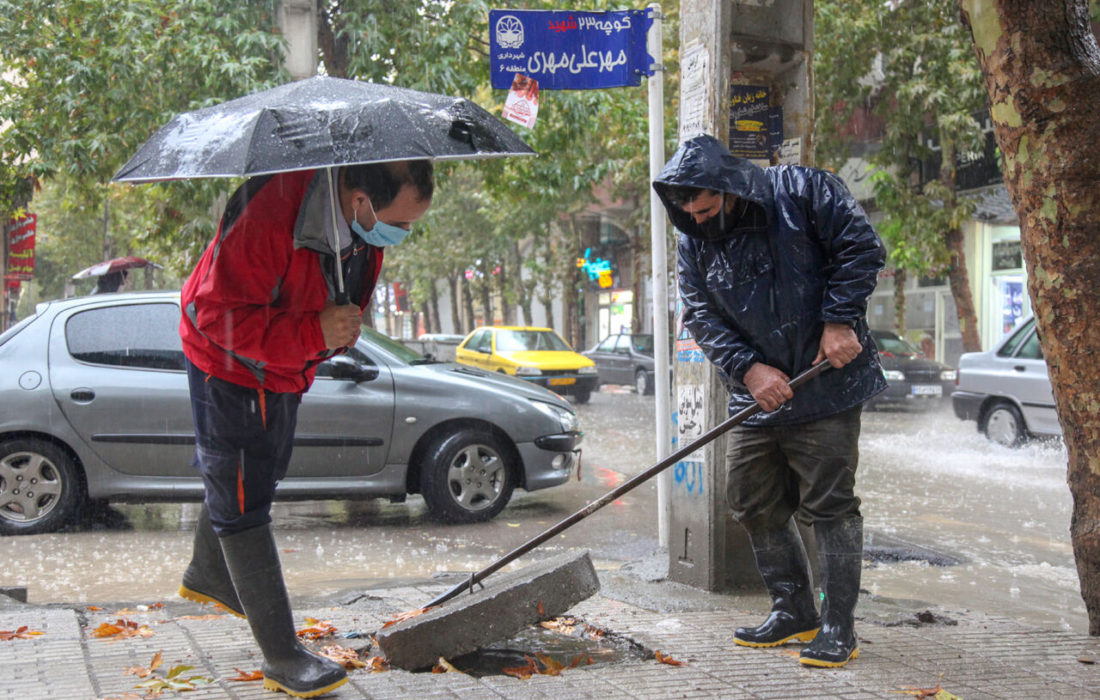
[764,294]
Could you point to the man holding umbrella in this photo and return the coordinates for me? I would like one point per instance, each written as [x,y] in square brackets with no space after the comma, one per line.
[260,312]
[338,170]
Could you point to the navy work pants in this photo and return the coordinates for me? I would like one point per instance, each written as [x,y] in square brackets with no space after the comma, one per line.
[243,441]
[810,468]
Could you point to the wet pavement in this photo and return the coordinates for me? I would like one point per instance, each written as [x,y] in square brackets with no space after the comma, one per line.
[933,489]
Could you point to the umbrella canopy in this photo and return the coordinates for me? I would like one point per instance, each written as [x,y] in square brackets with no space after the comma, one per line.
[315,123]
[114,265]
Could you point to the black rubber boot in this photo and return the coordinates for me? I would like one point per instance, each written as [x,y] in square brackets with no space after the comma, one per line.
[840,544]
[782,562]
[206,579]
[288,666]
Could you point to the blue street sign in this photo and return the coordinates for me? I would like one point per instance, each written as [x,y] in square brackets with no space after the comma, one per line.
[569,50]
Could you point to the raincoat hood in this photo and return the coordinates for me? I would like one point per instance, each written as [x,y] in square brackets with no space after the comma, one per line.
[703,162]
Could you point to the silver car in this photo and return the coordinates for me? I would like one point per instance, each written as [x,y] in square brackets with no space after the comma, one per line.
[94,407]
[1007,389]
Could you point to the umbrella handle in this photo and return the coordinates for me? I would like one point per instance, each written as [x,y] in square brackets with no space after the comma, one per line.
[341,293]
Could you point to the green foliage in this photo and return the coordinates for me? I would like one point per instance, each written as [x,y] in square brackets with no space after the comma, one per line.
[911,64]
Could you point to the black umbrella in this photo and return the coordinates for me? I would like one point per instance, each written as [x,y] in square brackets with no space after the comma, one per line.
[315,123]
[320,122]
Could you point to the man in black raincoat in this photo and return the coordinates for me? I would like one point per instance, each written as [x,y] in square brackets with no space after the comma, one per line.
[775,268]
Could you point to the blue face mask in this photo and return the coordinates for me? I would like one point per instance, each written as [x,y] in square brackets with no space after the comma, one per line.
[381,234]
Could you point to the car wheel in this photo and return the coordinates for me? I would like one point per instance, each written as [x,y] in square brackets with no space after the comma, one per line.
[643,385]
[466,477]
[1004,425]
[582,395]
[40,488]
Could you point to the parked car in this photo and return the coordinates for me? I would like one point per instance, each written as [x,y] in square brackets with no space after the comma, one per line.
[911,378]
[1007,389]
[536,355]
[96,407]
[625,358]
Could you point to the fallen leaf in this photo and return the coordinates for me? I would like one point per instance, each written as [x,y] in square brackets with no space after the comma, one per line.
[552,666]
[662,659]
[122,629]
[522,672]
[542,612]
[23,632]
[93,608]
[173,681]
[246,676]
[444,666]
[318,629]
[581,657]
[377,664]
[513,524]
[200,617]
[142,671]
[562,625]
[401,617]
[593,632]
[348,658]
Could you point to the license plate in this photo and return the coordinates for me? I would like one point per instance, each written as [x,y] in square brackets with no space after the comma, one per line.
[562,381]
[927,389]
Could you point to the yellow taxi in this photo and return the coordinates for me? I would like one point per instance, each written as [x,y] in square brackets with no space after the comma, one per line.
[538,355]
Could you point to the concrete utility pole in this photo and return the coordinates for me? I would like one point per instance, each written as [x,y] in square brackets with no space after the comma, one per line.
[746,78]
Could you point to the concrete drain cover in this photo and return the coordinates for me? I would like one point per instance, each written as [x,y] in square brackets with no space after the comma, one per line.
[507,604]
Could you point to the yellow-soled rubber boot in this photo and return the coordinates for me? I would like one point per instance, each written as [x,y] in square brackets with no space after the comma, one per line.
[840,545]
[288,666]
[206,579]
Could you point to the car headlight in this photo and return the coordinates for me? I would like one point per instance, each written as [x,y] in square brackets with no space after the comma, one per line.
[948,375]
[528,371]
[590,369]
[567,418]
[893,375]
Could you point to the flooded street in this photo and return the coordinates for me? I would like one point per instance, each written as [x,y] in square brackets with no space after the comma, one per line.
[929,482]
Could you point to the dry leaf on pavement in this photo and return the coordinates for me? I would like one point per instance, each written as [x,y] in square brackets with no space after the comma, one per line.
[377,664]
[937,693]
[662,659]
[121,629]
[522,672]
[256,675]
[142,671]
[348,658]
[23,632]
[317,629]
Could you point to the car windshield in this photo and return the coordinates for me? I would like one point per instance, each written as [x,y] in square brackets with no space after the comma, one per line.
[642,344]
[393,347]
[520,341]
[895,346]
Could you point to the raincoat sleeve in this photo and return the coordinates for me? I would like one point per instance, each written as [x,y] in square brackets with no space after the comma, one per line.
[242,303]
[708,324]
[853,250]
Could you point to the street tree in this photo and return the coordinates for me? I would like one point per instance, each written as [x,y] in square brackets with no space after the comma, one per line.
[908,67]
[1041,67]
[85,82]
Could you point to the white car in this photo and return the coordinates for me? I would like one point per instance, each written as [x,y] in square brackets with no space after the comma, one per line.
[1007,389]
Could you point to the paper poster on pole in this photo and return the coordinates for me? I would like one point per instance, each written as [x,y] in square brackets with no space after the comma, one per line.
[522,103]
[694,99]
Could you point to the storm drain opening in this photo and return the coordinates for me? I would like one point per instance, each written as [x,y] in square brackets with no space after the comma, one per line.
[893,555]
[549,648]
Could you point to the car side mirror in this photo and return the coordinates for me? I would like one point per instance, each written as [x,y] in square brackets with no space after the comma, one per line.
[343,367]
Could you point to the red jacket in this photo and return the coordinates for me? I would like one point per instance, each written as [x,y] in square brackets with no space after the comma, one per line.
[251,307]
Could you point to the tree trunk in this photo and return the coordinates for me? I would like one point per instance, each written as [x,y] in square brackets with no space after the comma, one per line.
[637,321]
[486,290]
[436,325]
[1041,66]
[468,304]
[507,309]
[957,276]
[454,285]
[900,276]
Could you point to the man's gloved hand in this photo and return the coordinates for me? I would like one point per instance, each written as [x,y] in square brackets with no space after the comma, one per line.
[340,325]
[839,345]
[768,386]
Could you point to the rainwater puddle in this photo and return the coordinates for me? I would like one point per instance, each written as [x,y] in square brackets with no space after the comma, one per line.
[570,643]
